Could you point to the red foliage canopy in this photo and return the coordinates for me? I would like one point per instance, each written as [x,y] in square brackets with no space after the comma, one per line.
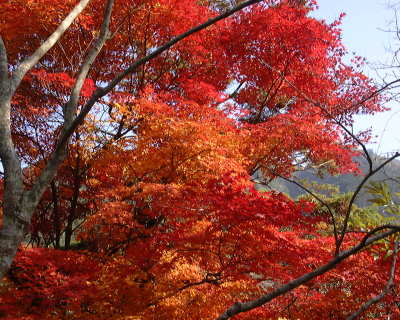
[157,185]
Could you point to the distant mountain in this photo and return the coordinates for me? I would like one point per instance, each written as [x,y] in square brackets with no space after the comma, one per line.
[345,182]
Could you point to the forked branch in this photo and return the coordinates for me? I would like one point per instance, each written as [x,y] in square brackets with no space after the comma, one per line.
[70,108]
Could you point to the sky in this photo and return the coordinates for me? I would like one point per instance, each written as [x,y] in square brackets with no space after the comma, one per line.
[363,33]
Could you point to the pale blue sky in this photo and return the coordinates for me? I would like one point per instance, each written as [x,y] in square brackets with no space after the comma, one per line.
[362,33]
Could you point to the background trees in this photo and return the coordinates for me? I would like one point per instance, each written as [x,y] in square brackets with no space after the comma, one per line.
[140,150]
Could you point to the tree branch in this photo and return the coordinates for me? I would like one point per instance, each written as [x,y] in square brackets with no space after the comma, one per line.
[31,61]
[70,108]
[369,239]
[319,199]
[385,291]
[71,105]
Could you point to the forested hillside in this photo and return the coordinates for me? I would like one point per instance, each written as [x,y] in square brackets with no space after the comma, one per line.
[345,182]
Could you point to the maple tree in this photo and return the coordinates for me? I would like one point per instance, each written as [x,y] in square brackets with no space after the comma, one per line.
[135,153]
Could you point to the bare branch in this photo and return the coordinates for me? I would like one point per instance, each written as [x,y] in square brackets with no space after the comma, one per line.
[369,239]
[385,291]
[31,61]
[354,137]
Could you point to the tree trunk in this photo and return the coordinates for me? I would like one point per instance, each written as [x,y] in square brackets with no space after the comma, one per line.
[56,214]
[11,235]
[15,218]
